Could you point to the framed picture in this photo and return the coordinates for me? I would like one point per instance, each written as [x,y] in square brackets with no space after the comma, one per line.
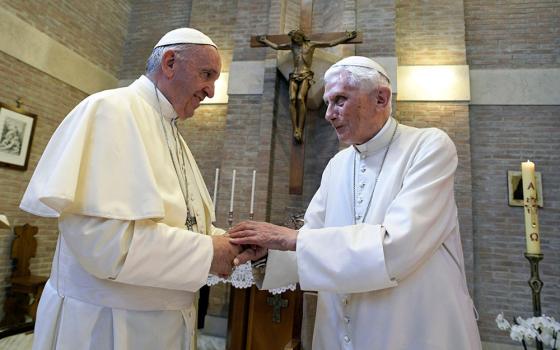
[16,134]
[515,189]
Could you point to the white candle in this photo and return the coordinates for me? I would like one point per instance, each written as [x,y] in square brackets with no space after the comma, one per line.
[253,192]
[215,189]
[232,192]
[530,208]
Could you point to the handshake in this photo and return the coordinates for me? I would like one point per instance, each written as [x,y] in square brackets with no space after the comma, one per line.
[246,241]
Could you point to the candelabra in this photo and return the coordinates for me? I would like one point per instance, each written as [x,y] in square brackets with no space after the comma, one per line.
[536,285]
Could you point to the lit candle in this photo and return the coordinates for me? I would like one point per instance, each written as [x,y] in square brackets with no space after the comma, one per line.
[232,192]
[530,208]
[215,189]
[253,192]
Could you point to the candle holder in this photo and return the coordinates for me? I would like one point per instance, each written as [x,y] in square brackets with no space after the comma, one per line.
[230,218]
[536,285]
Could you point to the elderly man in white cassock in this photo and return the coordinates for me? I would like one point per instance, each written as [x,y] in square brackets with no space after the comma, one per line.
[381,238]
[135,218]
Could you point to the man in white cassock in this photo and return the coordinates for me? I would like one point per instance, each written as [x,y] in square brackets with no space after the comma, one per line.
[381,238]
[136,236]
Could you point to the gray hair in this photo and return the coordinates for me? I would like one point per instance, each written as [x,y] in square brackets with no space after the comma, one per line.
[154,61]
[366,79]
[361,77]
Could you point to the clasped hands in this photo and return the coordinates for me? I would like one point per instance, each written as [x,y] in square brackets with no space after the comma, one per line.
[249,241]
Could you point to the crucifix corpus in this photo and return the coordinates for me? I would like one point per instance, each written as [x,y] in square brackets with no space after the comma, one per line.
[300,80]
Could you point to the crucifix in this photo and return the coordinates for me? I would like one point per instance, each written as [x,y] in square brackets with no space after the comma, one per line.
[302,47]
[277,304]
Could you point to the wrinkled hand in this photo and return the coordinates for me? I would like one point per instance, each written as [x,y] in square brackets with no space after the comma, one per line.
[261,38]
[224,253]
[263,234]
[352,34]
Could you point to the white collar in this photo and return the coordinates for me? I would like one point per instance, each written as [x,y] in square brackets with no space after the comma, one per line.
[379,141]
[161,104]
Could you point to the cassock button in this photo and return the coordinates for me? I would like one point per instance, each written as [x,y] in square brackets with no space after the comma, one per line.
[347,339]
[358,217]
[346,320]
[345,301]
[363,184]
[362,156]
[360,200]
[363,170]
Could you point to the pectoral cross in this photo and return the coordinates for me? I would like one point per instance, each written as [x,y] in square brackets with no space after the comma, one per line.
[190,221]
[302,47]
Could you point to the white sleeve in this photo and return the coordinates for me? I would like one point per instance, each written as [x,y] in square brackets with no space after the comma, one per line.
[140,252]
[338,259]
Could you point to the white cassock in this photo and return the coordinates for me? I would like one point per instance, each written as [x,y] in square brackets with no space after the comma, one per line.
[395,281]
[126,269]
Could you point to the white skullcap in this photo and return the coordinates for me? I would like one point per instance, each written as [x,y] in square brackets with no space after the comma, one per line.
[361,61]
[185,36]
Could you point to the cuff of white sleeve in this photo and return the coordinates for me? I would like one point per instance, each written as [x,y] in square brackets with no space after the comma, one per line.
[347,259]
[281,270]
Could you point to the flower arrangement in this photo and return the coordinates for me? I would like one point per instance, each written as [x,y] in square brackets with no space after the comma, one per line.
[543,328]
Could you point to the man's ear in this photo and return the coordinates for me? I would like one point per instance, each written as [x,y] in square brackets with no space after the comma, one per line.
[168,62]
[383,96]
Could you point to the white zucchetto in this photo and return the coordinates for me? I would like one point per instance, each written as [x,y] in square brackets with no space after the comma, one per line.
[361,61]
[185,36]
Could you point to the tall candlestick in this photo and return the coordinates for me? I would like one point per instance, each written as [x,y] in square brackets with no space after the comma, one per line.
[232,192]
[530,208]
[253,192]
[215,189]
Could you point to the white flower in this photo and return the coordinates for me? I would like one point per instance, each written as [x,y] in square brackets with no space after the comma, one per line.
[542,328]
[517,333]
[502,323]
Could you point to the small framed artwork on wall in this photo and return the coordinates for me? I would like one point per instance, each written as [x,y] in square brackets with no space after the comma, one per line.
[16,135]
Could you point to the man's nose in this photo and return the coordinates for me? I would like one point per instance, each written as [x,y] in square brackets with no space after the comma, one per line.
[330,113]
[209,90]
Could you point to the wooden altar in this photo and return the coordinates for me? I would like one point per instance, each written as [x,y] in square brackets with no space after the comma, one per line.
[259,320]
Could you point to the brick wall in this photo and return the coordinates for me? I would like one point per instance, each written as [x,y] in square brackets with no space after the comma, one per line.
[51,100]
[205,133]
[217,19]
[94,29]
[519,35]
[377,21]
[512,34]
[430,32]
[149,21]
[252,19]
[503,137]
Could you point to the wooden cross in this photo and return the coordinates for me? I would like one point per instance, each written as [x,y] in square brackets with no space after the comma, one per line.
[277,304]
[302,47]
